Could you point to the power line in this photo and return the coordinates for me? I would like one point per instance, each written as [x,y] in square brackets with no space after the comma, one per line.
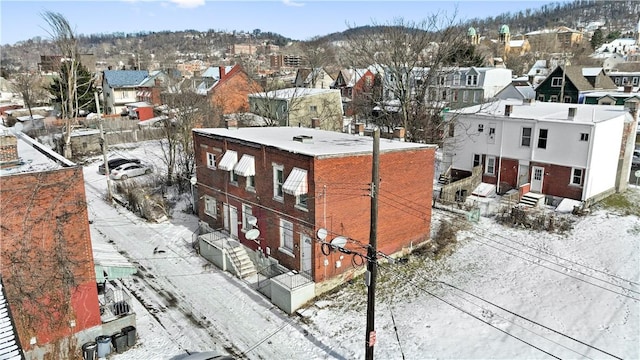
[475,232]
[472,315]
[525,318]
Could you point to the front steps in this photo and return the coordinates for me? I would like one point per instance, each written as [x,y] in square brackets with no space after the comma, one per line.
[532,200]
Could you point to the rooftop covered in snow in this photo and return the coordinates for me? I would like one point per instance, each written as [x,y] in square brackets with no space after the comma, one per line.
[312,142]
[546,111]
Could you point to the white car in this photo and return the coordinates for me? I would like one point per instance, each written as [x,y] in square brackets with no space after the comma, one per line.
[125,171]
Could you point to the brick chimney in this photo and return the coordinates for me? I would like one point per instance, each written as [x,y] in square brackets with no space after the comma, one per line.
[231,123]
[8,150]
[222,72]
[315,123]
[627,88]
[359,127]
[398,133]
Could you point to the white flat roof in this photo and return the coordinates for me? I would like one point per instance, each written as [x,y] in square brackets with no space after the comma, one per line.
[323,143]
[546,111]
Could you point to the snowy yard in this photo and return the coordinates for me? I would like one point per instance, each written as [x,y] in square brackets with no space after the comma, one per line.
[502,293]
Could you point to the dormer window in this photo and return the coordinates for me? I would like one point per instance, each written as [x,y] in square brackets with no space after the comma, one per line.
[472,80]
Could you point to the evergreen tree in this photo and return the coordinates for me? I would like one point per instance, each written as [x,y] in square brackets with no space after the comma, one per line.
[85,89]
[597,39]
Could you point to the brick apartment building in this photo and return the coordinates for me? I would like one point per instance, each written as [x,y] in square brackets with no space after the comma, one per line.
[296,183]
[46,262]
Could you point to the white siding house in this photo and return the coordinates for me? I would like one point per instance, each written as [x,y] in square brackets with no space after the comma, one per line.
[562,150]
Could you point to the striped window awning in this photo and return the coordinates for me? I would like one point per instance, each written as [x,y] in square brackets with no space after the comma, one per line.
[296,183]
[228,161]
[246,166]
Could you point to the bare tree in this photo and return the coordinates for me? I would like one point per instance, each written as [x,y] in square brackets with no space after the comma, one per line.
[31,87]
[410,57]
[64,37]
[186,111]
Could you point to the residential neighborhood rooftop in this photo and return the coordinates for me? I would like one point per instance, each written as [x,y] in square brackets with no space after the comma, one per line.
[290,93]
[314,142]
[32,156]
[547,111]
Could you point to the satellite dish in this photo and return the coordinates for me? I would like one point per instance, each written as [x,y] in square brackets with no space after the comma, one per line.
[252,220]
[193,180]
[339,242]
[252,234]
[322,233]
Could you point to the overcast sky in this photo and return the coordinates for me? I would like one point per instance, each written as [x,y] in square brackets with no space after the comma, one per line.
[300,20]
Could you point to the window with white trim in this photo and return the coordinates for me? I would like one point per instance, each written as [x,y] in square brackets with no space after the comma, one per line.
[246,213]
[233,177]
[556,82]
[210,206]
[490,167]
[616,80]
[286,236]
[480,128]
[634,81]
[525,140]
[542,138]
[251,183]
[456,79]
[576,176]
[477,160]
[553,98]
[465,95]
[301,201]
[472,80]
[278,180]
[541,97]
[313,109]
[211,161]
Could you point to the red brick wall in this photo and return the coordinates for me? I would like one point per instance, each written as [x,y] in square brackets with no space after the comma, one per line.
[231,94]
[556,181]
[404,202]
[508,173]
[44,230]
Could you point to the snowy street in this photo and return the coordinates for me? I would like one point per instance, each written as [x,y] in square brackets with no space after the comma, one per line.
[188,303]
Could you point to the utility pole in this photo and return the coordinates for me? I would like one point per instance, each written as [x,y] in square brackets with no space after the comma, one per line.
[372,264]
[103,144]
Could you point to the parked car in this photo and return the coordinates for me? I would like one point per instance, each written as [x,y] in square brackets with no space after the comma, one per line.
[115,162]
[125,171]
[635,161]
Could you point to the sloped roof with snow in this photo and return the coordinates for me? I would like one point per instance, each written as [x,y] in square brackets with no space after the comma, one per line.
[124,78]
[290,93]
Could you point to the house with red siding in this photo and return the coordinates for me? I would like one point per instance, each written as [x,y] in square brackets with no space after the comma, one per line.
[46,260]
[555,150]
[279,193]
[356,87]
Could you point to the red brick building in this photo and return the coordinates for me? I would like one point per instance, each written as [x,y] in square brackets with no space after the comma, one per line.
[46,260]
[291,182]
[230,92]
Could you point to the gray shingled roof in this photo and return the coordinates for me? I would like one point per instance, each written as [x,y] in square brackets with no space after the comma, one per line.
[123,78]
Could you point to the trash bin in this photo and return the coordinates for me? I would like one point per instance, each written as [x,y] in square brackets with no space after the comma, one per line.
[119,341]
[131,335]
[89,350]
[104,345]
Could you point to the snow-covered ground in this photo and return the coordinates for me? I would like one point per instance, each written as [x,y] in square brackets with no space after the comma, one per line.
[501,293]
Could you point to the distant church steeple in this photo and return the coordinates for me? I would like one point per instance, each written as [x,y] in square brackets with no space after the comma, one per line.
[505,35]
[473,37]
